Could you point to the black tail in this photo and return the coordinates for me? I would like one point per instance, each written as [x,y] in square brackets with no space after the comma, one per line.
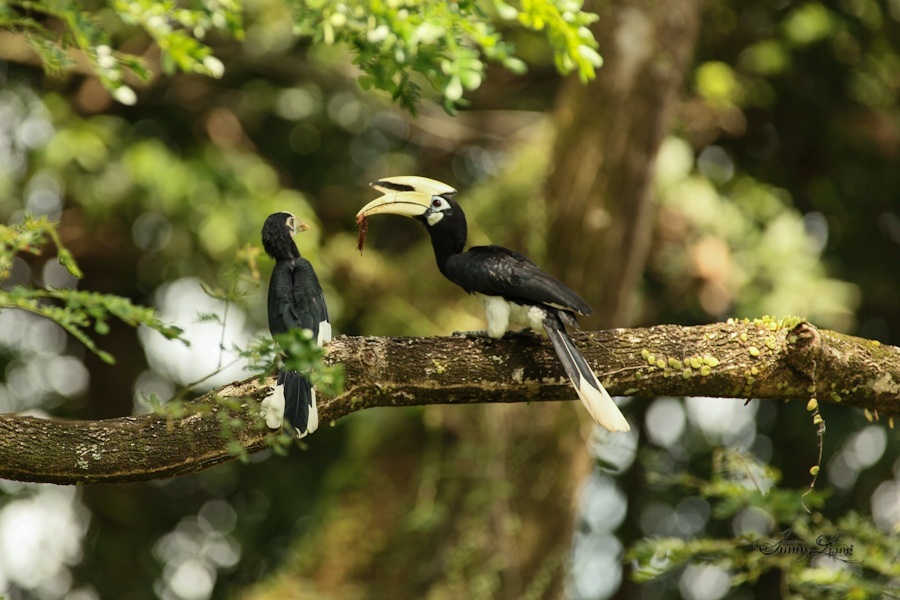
[299,403]
[592,393]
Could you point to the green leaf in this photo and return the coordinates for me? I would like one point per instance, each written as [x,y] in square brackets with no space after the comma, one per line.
[74,310]
[444,42]
[302,353]
[52,53]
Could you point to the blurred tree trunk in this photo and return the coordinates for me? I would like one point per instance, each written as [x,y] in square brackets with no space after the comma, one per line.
[608,135]
[488,511]
[600,185]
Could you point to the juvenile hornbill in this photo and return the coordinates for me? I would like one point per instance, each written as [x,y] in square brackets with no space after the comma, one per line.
[511,286]
[296,301]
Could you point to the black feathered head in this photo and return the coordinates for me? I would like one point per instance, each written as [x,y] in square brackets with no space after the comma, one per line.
[426,200]
[278,235]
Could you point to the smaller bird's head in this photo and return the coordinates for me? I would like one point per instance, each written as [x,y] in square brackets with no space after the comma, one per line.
[424,199]
[278,232]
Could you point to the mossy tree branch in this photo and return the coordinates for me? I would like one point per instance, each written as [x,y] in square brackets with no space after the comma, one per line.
[775,360]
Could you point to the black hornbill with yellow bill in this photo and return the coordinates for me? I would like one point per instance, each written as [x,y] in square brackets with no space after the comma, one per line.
[295,301]
[512,287]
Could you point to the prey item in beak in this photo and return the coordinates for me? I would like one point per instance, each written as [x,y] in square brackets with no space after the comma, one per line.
[362,225]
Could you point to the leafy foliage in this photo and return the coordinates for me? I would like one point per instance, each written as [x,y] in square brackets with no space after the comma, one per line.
[442,41]
[61,30]
[302,353]
[75,311]
[739,482]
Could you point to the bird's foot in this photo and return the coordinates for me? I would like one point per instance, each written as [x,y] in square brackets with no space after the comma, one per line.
[480,333]
[527,332]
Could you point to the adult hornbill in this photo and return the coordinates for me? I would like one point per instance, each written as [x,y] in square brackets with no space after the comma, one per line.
[296,301]
[512,287]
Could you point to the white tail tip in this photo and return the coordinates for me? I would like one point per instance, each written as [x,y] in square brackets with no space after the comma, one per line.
[601,406]
[312,422]
[272,408]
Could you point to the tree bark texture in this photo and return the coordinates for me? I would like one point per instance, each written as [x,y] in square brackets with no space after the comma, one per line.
[763,359]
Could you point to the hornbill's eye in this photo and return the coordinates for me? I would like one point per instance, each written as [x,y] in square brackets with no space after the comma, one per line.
[436,201]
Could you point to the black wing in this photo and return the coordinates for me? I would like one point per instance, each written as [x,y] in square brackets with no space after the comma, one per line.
[497,271]
[296,299]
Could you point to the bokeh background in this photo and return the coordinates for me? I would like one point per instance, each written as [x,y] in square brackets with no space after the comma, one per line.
[773,187]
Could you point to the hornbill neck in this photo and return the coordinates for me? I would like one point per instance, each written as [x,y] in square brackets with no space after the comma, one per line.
[281,247]
[448,237]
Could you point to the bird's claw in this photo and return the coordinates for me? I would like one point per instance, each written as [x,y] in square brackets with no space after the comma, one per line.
[522,333]
[480,333]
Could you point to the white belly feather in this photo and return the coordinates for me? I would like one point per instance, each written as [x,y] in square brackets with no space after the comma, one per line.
[501,312]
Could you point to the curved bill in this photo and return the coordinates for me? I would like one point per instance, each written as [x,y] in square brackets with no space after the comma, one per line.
[409,204]
[408,195]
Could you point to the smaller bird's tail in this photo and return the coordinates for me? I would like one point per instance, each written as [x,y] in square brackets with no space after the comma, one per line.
[292,400]
[592,393]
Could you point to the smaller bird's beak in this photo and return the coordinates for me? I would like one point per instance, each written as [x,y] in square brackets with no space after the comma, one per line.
[300,226]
